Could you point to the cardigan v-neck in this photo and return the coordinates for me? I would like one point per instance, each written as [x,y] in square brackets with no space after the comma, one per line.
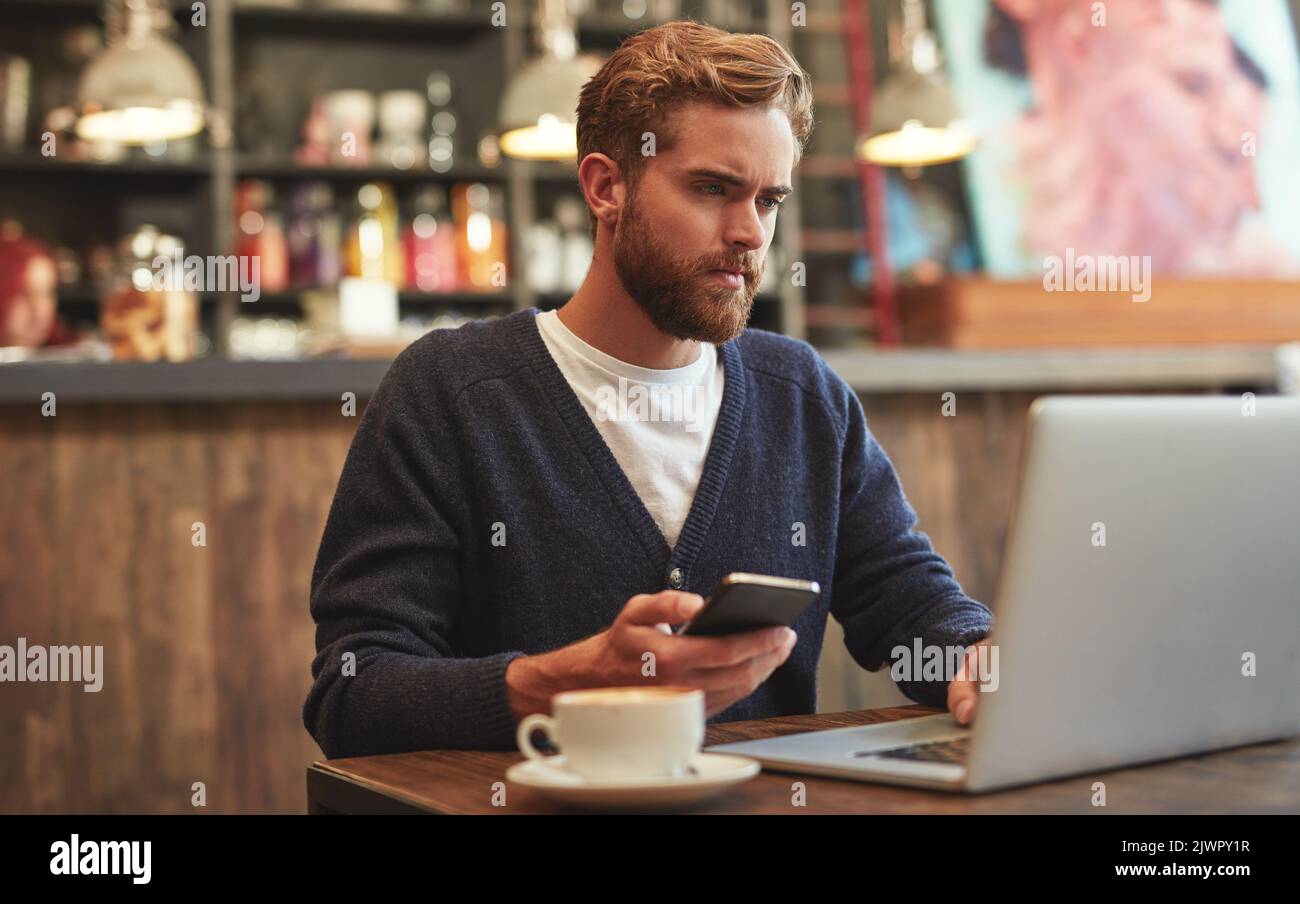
[670,562]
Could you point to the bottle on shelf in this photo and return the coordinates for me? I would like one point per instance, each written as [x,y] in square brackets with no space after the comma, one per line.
[432,263]
[316,131]
[481,236]
[373,250]
[442,138]
[259,234]
[315,237]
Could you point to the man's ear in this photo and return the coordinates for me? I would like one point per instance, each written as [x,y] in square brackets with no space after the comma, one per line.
[603,187]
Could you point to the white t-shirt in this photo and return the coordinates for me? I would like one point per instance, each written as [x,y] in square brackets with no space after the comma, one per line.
[658,423]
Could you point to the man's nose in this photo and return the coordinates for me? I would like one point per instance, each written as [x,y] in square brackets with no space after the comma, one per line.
[744,230]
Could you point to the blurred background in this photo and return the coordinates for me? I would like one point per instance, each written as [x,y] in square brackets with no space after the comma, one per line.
[220,221]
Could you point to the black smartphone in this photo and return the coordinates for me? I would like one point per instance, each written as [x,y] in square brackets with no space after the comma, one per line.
[743,602]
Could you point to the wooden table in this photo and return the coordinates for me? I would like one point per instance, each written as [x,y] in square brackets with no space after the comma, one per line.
[1257,779]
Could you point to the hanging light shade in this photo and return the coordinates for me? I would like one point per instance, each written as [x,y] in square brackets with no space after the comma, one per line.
[914,117]
[538,116]
[143,88]
[914,122]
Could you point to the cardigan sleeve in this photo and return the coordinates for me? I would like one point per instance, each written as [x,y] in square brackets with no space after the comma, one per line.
[385,592]
[890,585]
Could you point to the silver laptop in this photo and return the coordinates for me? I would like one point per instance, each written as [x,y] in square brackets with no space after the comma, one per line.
[1175,632]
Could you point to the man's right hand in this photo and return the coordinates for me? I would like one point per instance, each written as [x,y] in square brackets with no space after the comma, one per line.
[727,669]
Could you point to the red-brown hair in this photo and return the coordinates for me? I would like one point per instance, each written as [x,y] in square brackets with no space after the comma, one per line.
[15,256]
[656,70]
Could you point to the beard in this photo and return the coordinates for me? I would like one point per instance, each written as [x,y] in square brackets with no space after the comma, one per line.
[679,296]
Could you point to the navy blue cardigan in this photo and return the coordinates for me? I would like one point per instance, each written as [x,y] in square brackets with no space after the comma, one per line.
[480,516]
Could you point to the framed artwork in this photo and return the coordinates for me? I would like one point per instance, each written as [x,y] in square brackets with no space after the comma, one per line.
[1165,129]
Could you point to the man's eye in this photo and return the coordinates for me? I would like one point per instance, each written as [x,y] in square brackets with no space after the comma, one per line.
[768,203]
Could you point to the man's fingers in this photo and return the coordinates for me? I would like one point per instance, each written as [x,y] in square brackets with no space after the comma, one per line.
[962,699]
[753,671]
[963,690]
[683,655]
[720,652]
[669,606]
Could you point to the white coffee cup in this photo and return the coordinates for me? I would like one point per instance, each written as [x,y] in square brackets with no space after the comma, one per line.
[622,733]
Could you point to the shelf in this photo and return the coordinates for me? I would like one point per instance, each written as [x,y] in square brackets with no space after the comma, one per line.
[343,47]
[546,171]
[347,24]
[1102,368]
[905,370]
[190,381]
[610,26]
[33,163]
[822,23]
[486,299]
[557,298]
[833,94]
[82,295]
[828,166]
[833,241]
[468,299]
[977,311]
[855,316]
[60,11]
[255,168]
[614,26]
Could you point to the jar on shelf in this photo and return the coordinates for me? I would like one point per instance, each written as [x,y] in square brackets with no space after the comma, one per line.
[149,310]
[351,116]
[401,122]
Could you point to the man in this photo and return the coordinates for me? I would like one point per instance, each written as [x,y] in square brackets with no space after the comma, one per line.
[529,504]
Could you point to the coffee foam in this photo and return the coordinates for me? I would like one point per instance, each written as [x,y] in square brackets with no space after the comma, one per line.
[623,696]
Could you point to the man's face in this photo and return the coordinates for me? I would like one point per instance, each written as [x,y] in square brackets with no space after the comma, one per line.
[708,204]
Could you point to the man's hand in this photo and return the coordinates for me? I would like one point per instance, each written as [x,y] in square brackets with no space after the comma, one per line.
[727,669]
[964,690]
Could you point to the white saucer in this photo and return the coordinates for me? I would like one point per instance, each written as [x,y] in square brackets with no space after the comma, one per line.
[715,772]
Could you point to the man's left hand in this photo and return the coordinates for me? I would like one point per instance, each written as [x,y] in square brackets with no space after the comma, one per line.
[964,690]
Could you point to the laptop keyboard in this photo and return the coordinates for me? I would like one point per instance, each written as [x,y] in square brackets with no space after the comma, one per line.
[950,751]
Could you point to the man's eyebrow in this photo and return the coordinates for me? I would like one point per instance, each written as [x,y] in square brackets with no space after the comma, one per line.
[731,179]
